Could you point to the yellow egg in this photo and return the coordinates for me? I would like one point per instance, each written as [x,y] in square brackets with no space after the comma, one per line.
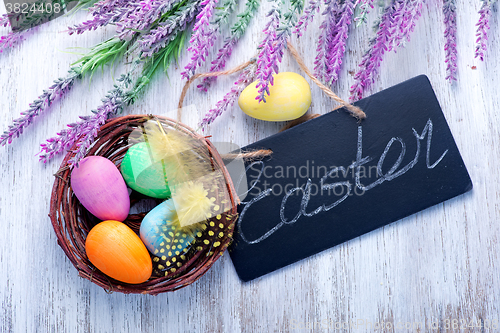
[289,99]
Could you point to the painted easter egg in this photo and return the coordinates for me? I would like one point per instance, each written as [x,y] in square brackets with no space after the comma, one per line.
[163,236]
[144,175]
[99,186]
[118,252]
[289,99]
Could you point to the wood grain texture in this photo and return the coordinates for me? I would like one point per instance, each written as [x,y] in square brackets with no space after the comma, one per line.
[440,264]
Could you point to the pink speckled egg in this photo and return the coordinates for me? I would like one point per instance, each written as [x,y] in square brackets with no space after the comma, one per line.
[100,187]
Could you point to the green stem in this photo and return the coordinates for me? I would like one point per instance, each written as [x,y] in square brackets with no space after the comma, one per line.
[164,57]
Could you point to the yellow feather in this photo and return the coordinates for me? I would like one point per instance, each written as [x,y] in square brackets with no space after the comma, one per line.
[192,203]
[166,147]
[187,169]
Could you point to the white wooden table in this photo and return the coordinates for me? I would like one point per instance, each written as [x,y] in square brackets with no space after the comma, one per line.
[431,268]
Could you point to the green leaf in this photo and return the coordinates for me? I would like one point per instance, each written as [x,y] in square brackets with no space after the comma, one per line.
[162,58]
[102,54]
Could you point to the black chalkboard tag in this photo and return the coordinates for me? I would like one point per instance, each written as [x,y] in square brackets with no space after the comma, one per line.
[330,179]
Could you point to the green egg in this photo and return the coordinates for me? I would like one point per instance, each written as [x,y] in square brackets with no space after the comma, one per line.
[144,175]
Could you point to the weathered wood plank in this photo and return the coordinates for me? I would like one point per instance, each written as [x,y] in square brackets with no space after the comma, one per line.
[438,265]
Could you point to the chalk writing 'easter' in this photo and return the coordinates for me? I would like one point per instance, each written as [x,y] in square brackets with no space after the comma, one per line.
[304,210]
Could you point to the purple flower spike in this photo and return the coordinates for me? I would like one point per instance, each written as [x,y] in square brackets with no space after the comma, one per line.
[237,30]
[104,12]
[416,14]
[273,46]
[396,25]
[336,42]
[107,6]
[336,49]
[400,17]
[450,21]
[307,17]
[219,63]
[157,38]
[365,10]
[372,59]
[322,48]
[203,38]
[13,39]
[270,49]
[90,25]
[57,90]
[405,17]
[246,77]
[87,128]
[141,16]
[482,29]
[4,20]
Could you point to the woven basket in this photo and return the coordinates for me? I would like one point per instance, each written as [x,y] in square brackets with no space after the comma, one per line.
[72,222]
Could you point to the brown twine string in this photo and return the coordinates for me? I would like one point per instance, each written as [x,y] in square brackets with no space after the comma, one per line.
[250,155]
[355,111]
[298,121]
[197,76]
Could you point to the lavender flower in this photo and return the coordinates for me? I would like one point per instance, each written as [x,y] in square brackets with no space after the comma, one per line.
[371,60]
[237,30]
[325,28]
[97,22]
[416,14]
[13,39]
[450,21]
[267,61]
[219,63]
[107,6]
[336,47]
[399,18]
[307,17]
[104,12]
[99,55]
[86,130]
[246,77]
[332,42]
[167,31]
[142,15]
[406,14]
[223,12]
[273,46]
[203,38]
[221,16]
[4,20]
[397,22]
[58,89]
[482,29]
[365,10]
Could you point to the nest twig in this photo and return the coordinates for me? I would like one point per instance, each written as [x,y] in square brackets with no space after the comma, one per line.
[72,222]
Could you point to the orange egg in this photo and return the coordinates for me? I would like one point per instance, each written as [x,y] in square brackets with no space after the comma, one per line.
[118,252]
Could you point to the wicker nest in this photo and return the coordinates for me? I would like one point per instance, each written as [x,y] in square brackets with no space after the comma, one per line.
[72,222]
